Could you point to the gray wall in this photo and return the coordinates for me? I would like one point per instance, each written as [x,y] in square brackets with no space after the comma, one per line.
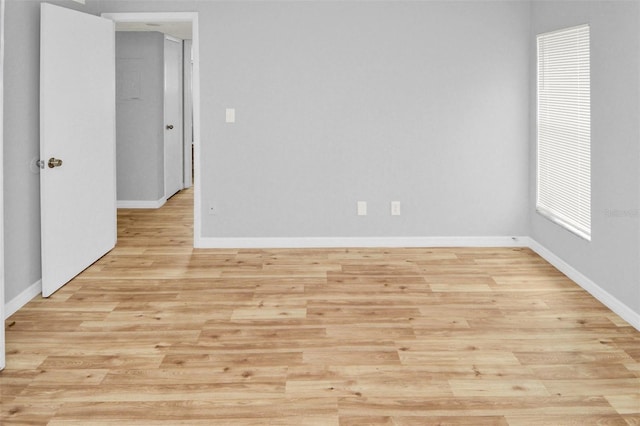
[21,145]
[421,102]
[612,257]
[140,115]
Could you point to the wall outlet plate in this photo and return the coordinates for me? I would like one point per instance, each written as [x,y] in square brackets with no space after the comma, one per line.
[395,208]
[362,208]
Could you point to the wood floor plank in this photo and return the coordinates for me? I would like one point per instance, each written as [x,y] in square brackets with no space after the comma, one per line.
[554,407]
[216,412]
[159,333]
[628,404]
[498,387]
[420,421]
[578,419]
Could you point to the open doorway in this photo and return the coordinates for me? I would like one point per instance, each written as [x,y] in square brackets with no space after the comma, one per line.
[177,26]
[154,126]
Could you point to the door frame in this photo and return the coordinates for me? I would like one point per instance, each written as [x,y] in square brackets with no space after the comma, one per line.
[191,17]
[187,131]
[2,345]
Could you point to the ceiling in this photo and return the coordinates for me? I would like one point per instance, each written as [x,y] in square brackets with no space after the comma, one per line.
[180,30]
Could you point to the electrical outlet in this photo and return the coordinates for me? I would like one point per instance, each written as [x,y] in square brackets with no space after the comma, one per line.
[362,208]
[395,208]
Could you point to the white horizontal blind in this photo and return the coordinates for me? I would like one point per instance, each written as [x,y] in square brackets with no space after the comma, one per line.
[564,129]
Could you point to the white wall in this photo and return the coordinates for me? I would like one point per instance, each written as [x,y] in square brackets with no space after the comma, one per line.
[140,115]
[612,258]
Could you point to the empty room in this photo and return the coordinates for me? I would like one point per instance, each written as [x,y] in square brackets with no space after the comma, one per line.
[320,212]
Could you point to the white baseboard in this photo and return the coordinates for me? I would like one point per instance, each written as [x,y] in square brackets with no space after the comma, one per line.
[341,242]
[141,204]
[22,299]
[610,301]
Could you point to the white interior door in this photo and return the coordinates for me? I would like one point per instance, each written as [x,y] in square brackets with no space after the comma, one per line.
[77,126]
[173,148]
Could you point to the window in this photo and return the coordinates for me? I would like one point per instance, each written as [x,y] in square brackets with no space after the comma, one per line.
[564,129]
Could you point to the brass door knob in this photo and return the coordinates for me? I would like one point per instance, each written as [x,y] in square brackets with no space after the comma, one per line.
[54,162]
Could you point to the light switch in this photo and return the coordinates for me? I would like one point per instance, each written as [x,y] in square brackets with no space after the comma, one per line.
[362,208]
[230,115]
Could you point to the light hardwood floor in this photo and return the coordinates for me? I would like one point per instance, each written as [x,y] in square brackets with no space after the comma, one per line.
[159,333]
